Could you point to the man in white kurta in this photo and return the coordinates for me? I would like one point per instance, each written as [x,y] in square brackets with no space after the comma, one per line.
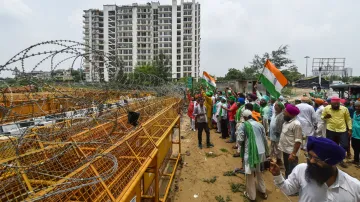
[321,126]
[251,171]
[319,179]
[307,118]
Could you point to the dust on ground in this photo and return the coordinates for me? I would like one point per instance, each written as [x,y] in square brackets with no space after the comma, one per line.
[195,180]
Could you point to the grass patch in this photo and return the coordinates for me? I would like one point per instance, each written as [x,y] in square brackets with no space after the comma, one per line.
[224,150]
[211,155]
[219,198]
[229,173]
[237,187]
[211,180]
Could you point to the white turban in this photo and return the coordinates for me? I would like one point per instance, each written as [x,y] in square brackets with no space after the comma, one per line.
[247,113]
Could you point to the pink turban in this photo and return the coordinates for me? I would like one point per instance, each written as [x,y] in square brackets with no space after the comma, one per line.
[335,99]
[292,110]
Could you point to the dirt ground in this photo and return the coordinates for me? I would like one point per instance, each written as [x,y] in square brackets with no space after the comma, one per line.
[198,167]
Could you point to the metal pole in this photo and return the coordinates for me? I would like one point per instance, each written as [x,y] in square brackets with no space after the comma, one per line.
[320,76]
[306,57]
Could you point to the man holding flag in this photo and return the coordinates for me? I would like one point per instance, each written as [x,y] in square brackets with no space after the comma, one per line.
[209,83]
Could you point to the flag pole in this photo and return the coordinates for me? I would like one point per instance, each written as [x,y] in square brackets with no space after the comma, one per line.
[261,73]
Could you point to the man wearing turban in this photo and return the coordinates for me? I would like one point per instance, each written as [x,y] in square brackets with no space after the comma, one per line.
[321,127]
[319,179]
[290,138]
[338,122]
[231,116]
[307,118]
[254,149]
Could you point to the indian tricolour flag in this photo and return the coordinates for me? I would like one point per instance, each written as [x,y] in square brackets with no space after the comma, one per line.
[208,81]
[272,79]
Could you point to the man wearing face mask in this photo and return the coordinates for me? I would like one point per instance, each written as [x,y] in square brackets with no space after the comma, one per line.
[337,122]
[290,138]
[319,179]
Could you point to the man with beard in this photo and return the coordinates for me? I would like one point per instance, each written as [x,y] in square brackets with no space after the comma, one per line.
[290,138]
[307,118]
[319,179]
[338,121]
[321,127]
[254,149]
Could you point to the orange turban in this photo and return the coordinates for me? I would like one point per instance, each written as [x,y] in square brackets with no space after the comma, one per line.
[319,101]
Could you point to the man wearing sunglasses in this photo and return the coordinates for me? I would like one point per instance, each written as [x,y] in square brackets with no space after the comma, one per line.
[319,179]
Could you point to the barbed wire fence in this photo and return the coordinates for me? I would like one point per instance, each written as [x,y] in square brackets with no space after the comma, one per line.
[51,129]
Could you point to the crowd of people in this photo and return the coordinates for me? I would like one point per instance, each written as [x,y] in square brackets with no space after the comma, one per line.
[269,132]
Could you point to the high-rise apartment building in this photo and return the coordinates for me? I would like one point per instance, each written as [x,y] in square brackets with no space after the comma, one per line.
[136,34]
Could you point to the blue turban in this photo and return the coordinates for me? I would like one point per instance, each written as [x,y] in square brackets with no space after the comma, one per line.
[241,100]
[328,100]
[326,149]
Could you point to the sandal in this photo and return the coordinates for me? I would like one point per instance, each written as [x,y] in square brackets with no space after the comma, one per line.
[246,195]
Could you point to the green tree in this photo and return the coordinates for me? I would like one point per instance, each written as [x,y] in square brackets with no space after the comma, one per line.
[277,57]
[162,67]
[292,73]
[234,74]
[78,75]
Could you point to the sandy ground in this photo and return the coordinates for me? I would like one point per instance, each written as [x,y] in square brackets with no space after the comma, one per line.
[196,167]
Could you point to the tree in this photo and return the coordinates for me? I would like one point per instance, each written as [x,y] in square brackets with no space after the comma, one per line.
[277,57]
[292,73]
[77,75]
[234,74]
[162,67]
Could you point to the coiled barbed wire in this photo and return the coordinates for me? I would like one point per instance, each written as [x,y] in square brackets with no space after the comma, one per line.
[41,119]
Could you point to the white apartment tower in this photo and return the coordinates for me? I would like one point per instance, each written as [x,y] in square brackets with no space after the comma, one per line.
[136,34]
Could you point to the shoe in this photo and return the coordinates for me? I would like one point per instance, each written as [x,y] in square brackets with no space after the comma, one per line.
[200,146]
[343,165]
[236,155]
[209,145]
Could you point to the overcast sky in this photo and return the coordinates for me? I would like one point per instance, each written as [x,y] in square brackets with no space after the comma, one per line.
[232,31]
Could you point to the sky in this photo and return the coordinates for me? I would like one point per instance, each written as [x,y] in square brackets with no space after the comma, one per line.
[232,31]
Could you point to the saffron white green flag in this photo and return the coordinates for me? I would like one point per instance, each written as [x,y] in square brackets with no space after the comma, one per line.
[272,79]
[208,81]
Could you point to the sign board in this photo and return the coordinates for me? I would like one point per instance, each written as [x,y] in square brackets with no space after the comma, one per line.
[190,82]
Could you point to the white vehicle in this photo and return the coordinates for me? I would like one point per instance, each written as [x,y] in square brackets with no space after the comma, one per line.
[17,129]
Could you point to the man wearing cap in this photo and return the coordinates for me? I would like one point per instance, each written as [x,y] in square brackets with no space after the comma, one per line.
[276,125]
[290,138]
[251,135]
[319,179]
[208,105]
[231,116]
[222,117]
[265,112]
[318,93]
[338,121]
[202,120]
[307,118]
[239,119]
[321,127]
